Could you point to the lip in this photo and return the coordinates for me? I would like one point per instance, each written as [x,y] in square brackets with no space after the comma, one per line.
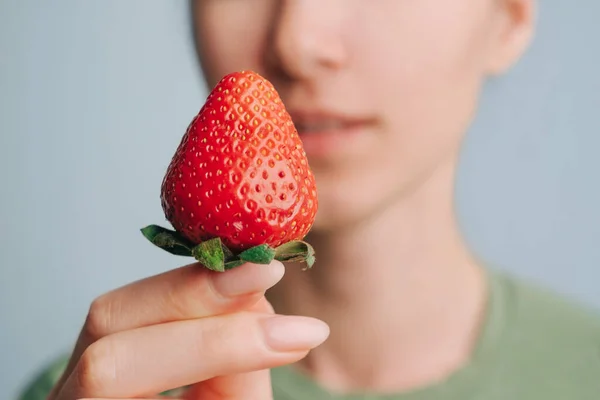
[325,134]
[308,122]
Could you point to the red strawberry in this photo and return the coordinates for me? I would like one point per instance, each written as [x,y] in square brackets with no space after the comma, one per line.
[240,173]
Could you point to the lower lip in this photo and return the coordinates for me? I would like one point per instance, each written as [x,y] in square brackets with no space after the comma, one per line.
[334,142]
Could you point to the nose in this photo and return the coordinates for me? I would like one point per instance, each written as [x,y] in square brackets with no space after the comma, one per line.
[307,38]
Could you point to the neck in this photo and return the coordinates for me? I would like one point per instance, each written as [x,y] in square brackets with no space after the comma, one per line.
[401,293]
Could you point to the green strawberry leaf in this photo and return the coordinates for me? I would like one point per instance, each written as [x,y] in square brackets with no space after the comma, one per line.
[210,253]
[168,240]
[262,254]
[296,251]
[214,255]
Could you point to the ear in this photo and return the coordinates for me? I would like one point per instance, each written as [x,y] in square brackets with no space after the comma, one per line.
[515,27]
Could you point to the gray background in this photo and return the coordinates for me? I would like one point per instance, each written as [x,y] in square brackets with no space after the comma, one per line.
[94,95]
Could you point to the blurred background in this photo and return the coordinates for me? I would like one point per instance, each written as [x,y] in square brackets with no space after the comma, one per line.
[95,96]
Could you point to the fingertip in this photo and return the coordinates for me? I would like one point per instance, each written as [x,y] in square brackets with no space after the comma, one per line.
[294,333]
[277,268]
[248,278]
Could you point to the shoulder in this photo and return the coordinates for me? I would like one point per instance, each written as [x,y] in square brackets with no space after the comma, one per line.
[549,340]
[555,317]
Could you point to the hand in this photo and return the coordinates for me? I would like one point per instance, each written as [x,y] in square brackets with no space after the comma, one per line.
[190,326]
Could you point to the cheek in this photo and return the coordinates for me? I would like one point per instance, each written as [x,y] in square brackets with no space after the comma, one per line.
[430,70]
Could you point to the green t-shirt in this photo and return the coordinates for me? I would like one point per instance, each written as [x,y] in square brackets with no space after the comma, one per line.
[535,345]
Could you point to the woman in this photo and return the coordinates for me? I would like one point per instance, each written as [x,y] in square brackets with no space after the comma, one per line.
[397,307]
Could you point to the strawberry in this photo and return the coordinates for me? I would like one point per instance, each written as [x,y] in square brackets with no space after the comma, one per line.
[239,183]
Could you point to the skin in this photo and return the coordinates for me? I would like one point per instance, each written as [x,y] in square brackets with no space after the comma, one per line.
[406,76]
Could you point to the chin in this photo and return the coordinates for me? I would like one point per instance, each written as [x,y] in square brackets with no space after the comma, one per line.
[352,196]
[345,201]
[335,218]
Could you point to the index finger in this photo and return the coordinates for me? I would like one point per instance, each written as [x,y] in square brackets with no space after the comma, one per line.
[189,292]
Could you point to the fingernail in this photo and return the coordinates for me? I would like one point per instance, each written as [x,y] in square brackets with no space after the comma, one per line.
[248,278]
[290,333]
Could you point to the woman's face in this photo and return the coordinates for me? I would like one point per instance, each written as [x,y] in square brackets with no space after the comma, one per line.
[381,91]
